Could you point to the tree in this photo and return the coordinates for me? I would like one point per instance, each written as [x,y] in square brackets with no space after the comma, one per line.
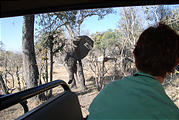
[103,42]
[154,14]
[46,47]
[172,20]
[41,48]
[130,28]
[48,37]
[71,21]
[3,85]
[31,72]
[163,14]
[29,59]
[169,16]
[30,67]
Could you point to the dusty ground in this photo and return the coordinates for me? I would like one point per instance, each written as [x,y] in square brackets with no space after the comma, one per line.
[85,97]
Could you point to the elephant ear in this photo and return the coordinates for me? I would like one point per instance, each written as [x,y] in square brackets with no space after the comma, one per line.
[84,45]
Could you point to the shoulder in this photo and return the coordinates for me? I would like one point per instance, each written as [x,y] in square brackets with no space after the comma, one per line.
[115,88]
[116,84]
[121,81]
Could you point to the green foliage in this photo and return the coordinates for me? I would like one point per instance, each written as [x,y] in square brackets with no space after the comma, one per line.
[44,40]
[106,39]
[68,20]
[54,24]
[76,17]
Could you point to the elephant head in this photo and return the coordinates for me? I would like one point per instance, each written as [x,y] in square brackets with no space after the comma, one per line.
[75,50]
[84,45]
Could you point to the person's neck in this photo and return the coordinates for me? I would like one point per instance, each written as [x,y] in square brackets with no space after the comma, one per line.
[159,78]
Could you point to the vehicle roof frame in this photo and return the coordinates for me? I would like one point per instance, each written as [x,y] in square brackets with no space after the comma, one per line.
[10,8]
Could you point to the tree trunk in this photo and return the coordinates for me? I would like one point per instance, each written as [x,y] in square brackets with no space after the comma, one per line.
[29,60]
[115,70]
[5,91]
[5,75]
[46,68]
[51,63]
[98,76]
[103,65]
[3,86]
[69,29]
[12,76]
[40,73]
[81,75]
[18,78]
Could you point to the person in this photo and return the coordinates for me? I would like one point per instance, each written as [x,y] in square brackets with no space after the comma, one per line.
[141,96]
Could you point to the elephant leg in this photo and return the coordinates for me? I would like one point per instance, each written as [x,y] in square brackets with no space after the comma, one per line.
[69,65]
[74,81]
[73,84]
[76,77]
[81,75]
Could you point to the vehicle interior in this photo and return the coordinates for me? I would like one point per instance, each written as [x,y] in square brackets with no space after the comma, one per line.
[65,105]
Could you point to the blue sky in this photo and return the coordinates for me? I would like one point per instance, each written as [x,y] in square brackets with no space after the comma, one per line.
[11,29]
[11,33]
[93,24]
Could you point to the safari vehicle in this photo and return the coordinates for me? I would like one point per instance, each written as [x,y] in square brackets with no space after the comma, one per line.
[65,105]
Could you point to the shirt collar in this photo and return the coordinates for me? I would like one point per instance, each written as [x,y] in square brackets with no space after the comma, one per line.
[143,74]
[157,85]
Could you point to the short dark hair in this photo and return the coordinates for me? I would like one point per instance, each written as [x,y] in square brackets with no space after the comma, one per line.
[157,50]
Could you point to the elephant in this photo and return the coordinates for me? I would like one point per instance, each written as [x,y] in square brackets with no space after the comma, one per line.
[72,52]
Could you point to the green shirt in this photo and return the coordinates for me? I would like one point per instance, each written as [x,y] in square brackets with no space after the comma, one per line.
[133,97]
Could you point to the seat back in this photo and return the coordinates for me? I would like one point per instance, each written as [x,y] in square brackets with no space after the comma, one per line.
[64,106]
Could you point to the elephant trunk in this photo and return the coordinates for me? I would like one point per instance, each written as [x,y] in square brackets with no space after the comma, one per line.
[71,68]
[71,78]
